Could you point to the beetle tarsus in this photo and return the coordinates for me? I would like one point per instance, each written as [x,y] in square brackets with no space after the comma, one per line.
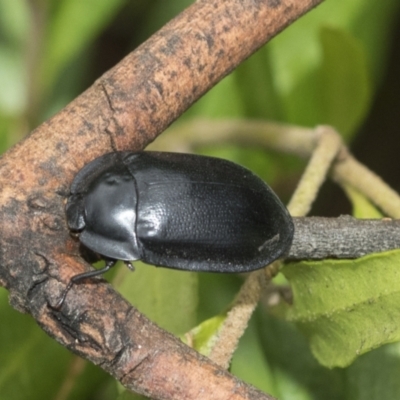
[60,302]
[130,265]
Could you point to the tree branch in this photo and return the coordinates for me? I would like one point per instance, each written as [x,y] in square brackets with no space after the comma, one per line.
[316,238]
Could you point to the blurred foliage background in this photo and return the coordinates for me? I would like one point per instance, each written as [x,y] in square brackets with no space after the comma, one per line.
[338,65]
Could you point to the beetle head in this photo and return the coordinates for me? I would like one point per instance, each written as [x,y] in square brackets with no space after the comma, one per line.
[102,208]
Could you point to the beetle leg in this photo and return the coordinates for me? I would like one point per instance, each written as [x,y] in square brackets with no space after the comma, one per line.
[130,265]
[80,277]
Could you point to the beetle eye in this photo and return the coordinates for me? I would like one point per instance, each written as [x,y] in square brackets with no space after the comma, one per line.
[75,213]
[111,180]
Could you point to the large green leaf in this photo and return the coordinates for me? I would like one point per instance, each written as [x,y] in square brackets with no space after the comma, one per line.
[14,21]
[296,373]
[320,70]
[255,83]
[346,308]
[166,296]
[14,32]
[33,366]
[345,91]
[127,395]
[72,26]
[298,54]
[159,13]
[375,375]
[222,101]
[203,336]
[362,207]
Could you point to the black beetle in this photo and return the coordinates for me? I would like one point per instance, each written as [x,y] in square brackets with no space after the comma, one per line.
[175,210]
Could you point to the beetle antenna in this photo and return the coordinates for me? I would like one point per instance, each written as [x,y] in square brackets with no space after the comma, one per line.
[80,277]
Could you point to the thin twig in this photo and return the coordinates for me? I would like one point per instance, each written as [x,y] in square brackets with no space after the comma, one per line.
[237,318]
[316,172]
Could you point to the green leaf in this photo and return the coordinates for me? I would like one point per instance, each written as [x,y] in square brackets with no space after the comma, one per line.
[272,167]
[14,29]
[297,56]
[373,24]
[296,373]
[14,22]
[254,80]
[74,24]
[203,336]
[375,375]
[128,395]
[222,101]
[13,82]
[362,207]
[346,308]
[6,126]
[168,297]
[34,366]
[345,85]
[159,13]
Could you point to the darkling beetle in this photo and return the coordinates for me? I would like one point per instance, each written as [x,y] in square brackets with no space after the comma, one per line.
[178,211]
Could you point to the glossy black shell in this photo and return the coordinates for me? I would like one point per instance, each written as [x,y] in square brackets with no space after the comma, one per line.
[178,211]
